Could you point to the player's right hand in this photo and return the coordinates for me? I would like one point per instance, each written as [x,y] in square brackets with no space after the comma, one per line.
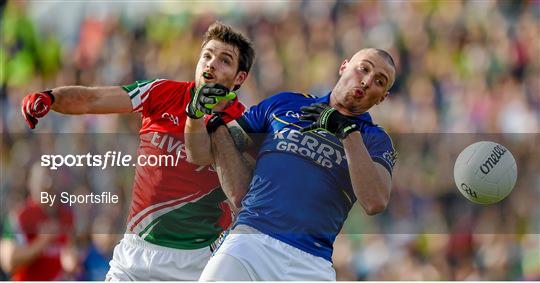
[329,119]
[206,98]
[36,105]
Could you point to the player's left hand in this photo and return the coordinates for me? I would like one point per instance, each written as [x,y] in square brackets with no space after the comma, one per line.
[327,118]
[206,98]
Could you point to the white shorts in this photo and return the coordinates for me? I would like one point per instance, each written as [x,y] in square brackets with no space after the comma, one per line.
[247,254]
[135,259]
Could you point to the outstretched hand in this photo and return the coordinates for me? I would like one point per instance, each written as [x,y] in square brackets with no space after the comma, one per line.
[36,105]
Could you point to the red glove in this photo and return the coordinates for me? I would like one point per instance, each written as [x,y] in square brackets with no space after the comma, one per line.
[36,105]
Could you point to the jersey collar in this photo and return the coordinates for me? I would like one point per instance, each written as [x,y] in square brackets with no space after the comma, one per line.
[364,117]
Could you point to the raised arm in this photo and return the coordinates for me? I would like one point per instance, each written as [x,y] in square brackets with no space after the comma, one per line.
[208,99]
[198,147]
[91,100]
[370,180]
[75,100]
[235,169]
[221,148]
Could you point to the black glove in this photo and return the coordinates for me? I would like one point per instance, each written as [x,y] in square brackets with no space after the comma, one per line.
[206,98]
[329,119]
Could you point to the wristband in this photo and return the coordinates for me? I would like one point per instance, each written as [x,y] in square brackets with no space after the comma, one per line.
[50,94]
[214,123]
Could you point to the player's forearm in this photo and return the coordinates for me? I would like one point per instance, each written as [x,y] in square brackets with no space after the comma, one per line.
[198,147]
[90,100]
[233,170]
[369,187]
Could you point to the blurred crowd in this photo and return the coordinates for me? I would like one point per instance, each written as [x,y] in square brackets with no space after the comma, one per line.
[464,67]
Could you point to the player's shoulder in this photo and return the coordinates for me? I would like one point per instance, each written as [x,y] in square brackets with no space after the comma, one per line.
[373,131]
[178,83]
[376,128]
[170,89]
[156,84]
[292,95]
[287,97]
[377,131]
[377,138]
[140,89]
[172,84]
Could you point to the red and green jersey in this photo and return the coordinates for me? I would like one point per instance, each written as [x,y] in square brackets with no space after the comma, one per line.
[178,206]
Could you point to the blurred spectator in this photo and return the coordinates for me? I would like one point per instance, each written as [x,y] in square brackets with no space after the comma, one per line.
[36,241]
[95,263]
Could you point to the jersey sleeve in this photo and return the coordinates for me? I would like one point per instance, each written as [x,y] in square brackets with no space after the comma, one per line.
[233,111]
[141,93]
[382,150]
[257,118]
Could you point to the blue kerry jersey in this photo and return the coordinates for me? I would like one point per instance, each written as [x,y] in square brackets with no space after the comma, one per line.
[301,191]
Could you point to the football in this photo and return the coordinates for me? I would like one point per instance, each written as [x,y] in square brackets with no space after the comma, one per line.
[485,172]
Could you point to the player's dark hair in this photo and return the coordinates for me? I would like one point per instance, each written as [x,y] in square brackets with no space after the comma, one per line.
[224,33]
[386,56]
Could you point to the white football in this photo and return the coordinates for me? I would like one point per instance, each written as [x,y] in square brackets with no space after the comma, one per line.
[485,172]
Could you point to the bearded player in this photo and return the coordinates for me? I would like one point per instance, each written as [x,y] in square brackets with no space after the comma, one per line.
[177,212]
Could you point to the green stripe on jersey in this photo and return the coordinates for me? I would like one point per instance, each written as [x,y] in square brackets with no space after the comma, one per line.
[136,85]
[135,88]
[192,226]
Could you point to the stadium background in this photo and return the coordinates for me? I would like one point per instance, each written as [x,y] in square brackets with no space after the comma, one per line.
[464,67]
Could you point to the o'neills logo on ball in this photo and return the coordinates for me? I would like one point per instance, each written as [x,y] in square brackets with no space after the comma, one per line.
[494,158]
